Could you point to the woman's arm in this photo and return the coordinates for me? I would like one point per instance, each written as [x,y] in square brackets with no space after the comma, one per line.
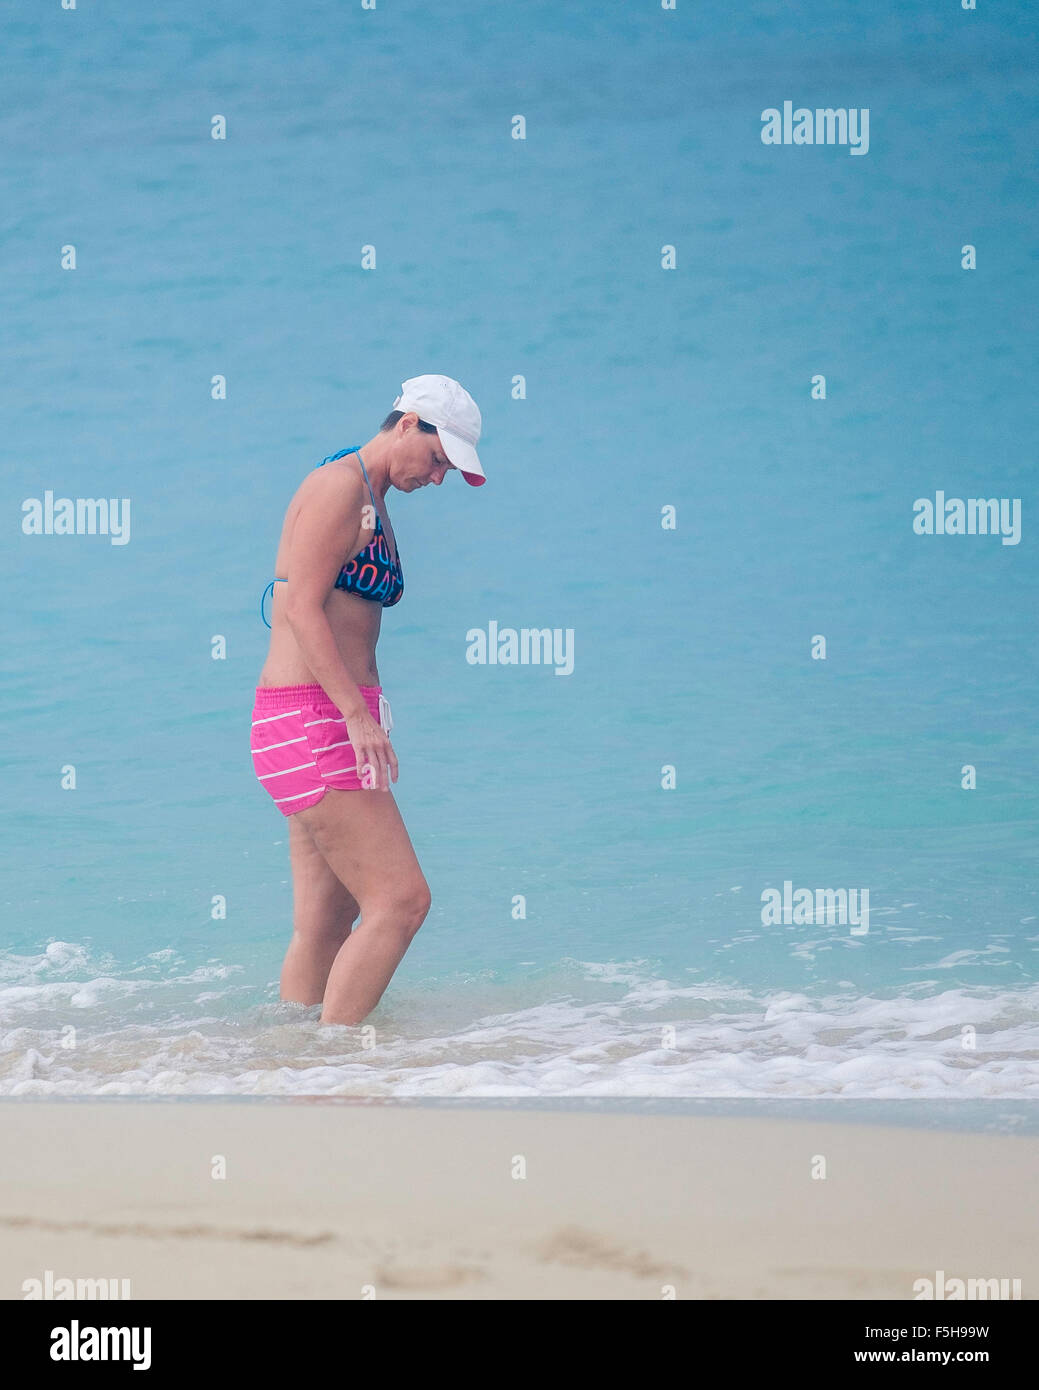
[327,527]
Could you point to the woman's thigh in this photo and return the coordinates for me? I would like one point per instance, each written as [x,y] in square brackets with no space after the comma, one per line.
[321,901]
[363,839]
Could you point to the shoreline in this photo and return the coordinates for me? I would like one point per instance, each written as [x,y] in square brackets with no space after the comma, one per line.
[1010,1118]
[301,1198]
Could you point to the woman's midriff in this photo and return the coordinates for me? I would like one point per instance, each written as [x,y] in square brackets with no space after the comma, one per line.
[355,624]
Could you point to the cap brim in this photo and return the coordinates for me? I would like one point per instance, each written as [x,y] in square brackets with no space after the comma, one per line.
[463,456]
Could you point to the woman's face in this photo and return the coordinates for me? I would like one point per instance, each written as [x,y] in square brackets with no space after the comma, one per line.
[423,460]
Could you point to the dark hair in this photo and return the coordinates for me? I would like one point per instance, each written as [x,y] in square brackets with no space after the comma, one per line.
[396,415]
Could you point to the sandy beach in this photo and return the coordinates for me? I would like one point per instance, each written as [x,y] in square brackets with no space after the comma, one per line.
[358,1200]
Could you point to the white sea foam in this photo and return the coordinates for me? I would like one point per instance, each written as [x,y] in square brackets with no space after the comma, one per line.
[68,1027]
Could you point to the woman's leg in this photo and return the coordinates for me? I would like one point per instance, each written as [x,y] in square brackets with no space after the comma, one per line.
[323,911]
[364,841]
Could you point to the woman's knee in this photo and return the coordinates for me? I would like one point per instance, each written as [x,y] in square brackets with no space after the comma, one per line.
[406,907]
[418,904]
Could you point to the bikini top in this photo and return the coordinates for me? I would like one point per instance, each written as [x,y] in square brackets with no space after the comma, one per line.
[373,573]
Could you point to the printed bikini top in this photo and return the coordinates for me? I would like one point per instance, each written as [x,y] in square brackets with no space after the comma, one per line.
[373,573]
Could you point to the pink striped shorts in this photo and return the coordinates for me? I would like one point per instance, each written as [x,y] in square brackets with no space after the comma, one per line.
[299,743]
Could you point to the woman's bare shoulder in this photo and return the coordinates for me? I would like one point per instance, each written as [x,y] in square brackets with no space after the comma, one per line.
[330,485]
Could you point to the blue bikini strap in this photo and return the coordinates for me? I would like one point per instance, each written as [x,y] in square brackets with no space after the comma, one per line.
[269,590]
[353,449]
[330,458]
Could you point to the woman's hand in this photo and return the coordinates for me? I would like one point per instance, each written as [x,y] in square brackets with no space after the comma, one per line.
[376,760]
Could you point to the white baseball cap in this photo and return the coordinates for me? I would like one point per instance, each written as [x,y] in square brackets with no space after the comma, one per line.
[441,401]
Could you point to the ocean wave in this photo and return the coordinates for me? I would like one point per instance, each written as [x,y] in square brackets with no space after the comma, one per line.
[71,1024]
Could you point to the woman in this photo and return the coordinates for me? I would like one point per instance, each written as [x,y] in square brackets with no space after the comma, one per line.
[320,727]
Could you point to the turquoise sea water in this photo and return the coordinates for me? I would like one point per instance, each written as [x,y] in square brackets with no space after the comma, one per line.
[646,388]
